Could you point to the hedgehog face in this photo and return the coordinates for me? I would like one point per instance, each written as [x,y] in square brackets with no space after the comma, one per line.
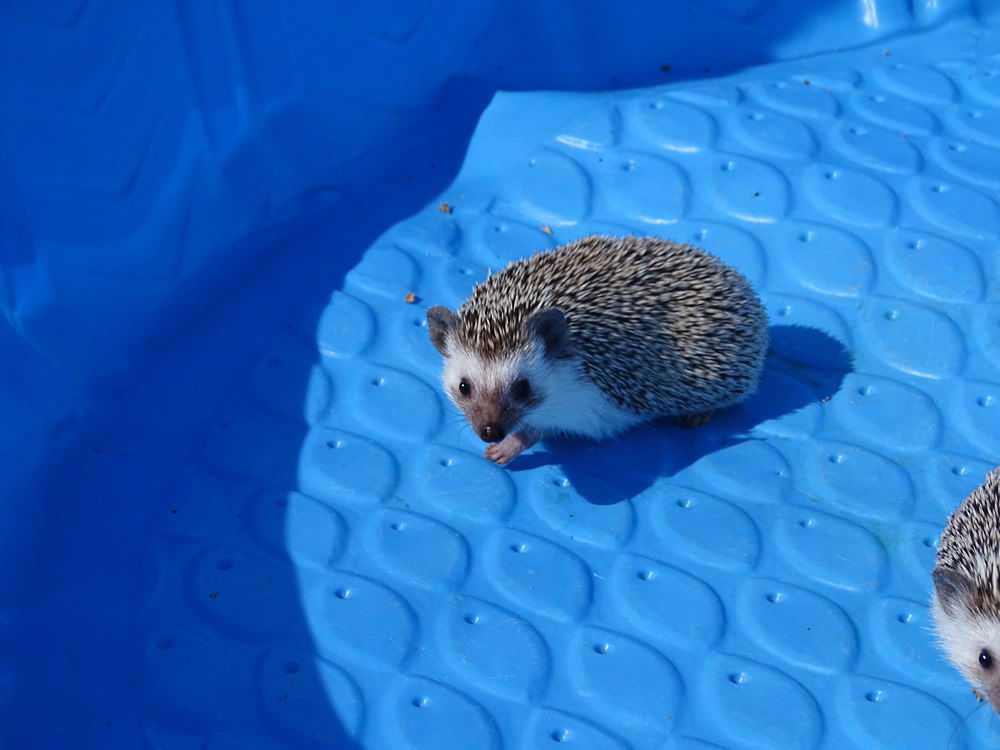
[497,393]
[969,635]
[495,396]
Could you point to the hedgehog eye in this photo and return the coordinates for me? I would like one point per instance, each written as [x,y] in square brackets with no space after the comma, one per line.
[465,387]
[985,659]
[521,389]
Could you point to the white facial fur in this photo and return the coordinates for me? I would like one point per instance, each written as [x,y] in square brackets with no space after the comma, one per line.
[963,636]
[485,375]
[570,403]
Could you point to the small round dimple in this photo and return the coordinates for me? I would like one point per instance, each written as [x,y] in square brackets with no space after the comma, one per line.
[378,382]
[343,593]
[785,311]
[646,575]
[807,523]
[806,237]
[561,735]
[685,503]
[500,228]
[656,105]
[225,564]
[939,188]
[629,166]
[858,130]
[832,174]
[877,98]
[959,471]
[913,259]
[334,444]
[891,314]
[905,618]
[726,166]
[420,701]
[738,678]
[775,597]
[471,619]
[164,643]
[446,462]
[875,696]
[957,147]
[755,116]
[836,458]
[930,542]
[290,668]
[974,114]
[987,400]
[561,482]
[519,548]
[865,390]
[398,526]
[420,322]
[601,648]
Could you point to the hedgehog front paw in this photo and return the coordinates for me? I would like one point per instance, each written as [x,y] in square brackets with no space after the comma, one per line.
[503,451]
[511,445]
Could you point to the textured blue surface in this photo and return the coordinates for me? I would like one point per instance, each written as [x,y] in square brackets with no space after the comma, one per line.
[237,511]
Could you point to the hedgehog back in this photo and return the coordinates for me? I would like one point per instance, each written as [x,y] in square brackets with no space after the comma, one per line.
[970,544]
[661,327]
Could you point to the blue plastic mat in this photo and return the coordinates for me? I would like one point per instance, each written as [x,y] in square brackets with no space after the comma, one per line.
[238,511]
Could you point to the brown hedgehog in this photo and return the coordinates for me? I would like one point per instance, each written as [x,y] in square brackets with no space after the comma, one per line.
[966,600]
[598,335]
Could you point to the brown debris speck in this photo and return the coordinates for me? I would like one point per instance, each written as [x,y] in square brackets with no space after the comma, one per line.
[409,298]
[444,208]
[546,228]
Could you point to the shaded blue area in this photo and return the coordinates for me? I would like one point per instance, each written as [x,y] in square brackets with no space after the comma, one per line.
[237,512]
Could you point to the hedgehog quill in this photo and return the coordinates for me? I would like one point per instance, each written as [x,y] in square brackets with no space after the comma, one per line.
[596,336]
[966,600]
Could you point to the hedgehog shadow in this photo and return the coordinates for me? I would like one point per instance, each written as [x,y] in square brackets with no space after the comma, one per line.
[804,366]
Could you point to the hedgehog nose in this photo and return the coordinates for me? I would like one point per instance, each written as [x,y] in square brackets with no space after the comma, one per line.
[491,432]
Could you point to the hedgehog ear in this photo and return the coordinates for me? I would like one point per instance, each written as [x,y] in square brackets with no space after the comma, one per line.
[550,326]
[952,589]
[440,322]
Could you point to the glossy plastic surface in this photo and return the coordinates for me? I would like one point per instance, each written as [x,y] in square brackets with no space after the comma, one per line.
[237,512]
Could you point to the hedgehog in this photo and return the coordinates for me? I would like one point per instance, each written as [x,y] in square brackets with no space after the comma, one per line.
[598,335]
[965,604]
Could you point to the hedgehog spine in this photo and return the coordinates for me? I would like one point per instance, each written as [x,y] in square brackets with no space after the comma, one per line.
[965,604]
[597,335]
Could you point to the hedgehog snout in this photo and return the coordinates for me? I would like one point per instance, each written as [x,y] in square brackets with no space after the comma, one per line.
[491,432]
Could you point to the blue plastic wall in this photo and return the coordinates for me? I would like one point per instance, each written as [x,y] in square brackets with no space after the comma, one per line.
[210,214]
